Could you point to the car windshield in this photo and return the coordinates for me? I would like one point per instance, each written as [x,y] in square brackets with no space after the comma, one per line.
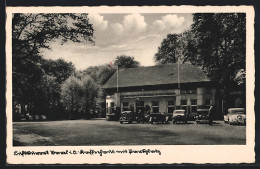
[179,112]
[237,112]
[202,111]
[125,112]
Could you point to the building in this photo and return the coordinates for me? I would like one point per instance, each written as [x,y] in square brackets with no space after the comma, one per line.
[163,88]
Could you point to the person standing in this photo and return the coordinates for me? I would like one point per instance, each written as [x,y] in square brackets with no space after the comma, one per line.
[210,115]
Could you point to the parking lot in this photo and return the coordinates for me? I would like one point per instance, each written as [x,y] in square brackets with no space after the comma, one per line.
[102,132]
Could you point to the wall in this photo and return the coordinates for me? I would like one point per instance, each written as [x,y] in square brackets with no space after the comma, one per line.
[163,97]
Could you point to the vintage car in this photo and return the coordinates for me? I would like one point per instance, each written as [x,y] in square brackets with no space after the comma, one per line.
[113,115]
[127,116]
[202,116]
[144,118]
[235,116]
[158,117]
[179,116]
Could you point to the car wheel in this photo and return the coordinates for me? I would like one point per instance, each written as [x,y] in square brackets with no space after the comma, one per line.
[151,122]
[197,122]
[121,122]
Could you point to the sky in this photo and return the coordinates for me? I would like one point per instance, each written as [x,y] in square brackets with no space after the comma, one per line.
[138,35]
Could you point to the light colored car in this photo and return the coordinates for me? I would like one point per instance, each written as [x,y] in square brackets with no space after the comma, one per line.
[179,116]
[235,116]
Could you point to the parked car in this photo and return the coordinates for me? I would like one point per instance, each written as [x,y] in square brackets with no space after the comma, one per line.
[29,117]
[168,117]
[43,117]
[37,117]
[142,118]
[235,116]
[158,117]
[202,116]
[127,116]
[179,116]
[113,115]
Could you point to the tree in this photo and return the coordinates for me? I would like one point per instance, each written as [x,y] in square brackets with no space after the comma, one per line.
[126,62]
[100,74]
[220,43]
[168,52]
[71,96]
[32,32]
[219,47]
[59,68]
[46,96]
[105,73]
[90,94]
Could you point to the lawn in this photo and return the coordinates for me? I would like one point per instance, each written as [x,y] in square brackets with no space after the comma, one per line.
[102,132]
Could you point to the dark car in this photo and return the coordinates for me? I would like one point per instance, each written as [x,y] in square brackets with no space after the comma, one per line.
[179,116]
[202,116]
[158,117]
[114,115]
[127,116]
[142,118]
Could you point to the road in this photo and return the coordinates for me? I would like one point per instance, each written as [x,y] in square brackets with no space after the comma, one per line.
[102,132]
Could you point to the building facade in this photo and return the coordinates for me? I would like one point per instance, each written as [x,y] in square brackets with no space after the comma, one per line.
[162,88]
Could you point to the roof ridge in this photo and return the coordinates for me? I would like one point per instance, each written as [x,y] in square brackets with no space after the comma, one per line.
[157,66]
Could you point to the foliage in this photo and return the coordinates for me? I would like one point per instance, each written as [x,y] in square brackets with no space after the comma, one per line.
[59,68]
[220,42]
[79,96]
[90,94]
[168,50]
[32,32]
[71,96]
[126,62]
[241,77]
[35,79]
[105,73]
[215,42]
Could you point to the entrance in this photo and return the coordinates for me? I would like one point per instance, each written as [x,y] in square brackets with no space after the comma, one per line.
[139,105]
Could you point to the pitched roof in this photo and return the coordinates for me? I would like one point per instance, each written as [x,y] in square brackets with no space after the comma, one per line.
[156,75]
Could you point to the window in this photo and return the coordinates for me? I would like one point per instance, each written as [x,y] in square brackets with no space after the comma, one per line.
[193,105]
[189,91]
[193,101]
[155,107]
[184,102]
[207,102]
[125,106]
[178,107]
[207,91]
[112,105]
[170,106]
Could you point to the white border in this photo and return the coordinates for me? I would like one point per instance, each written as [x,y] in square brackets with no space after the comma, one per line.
[173,154]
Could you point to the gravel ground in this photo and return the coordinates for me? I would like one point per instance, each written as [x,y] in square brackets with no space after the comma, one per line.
[102,132]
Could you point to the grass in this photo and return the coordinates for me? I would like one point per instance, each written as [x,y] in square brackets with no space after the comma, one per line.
[102,132]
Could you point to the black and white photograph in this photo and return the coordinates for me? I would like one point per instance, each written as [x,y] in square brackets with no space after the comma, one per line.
[141,83]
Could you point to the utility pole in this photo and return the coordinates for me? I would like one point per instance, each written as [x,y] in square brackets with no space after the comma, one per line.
[178,74]
[117,79]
